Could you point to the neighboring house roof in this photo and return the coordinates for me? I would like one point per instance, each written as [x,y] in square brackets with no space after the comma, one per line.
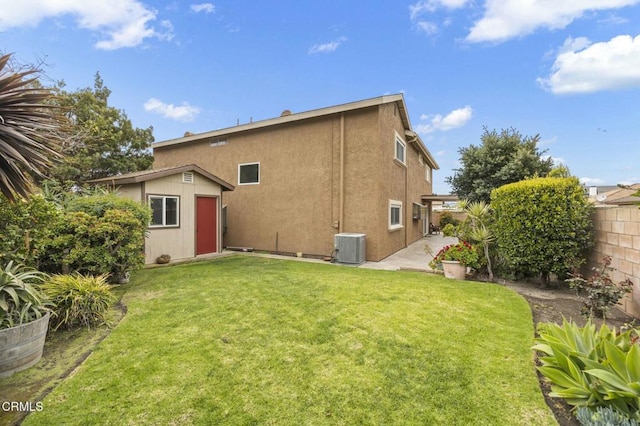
[145,175]
[289,118]
[620,196]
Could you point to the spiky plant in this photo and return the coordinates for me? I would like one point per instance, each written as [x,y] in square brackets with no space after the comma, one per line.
[21,300]
[30,130]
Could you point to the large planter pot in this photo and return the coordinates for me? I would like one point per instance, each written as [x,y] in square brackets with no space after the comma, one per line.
[21,346]
[454,269]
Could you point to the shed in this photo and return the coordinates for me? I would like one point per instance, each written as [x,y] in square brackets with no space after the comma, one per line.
[186,204]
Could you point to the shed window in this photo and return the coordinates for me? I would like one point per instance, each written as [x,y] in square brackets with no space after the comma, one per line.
[164,210]
[249,174]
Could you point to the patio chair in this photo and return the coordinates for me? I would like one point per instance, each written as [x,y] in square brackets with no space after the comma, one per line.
[434,229]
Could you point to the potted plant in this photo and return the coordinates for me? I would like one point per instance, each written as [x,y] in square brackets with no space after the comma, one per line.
[24,318]
[455,258]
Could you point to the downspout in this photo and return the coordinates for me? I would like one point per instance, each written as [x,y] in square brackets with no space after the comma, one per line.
[341,207]
[406,196]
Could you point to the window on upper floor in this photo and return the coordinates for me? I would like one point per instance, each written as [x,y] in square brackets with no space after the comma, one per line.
[400,149]
[164,211]
[427,173]
[249,174]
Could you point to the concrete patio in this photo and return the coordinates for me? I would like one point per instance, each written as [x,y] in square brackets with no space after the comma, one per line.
[415,257]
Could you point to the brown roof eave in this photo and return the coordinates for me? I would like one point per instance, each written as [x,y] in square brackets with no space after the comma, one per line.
[143,176]
[414,138]
[336,109]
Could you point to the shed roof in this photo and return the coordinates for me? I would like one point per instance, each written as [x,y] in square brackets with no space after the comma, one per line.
[289,118]
[145,175]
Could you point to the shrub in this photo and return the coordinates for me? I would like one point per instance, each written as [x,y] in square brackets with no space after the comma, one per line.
[100,202]
[542,225]
[602,292]
[603,416]
[80,300]
[24,227]
[449,230]
[592,369]
[447,218]
[101,234]
[21,300]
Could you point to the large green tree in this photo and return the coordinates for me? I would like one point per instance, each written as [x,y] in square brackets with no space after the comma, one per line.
[30,129]
[104,141]
[502,158]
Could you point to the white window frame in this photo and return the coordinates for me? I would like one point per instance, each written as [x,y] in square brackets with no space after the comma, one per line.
[427,172]
[164,211]
[395,204]
[399,141]
[249,164]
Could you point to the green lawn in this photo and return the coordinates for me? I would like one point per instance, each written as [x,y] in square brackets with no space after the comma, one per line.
[247,340]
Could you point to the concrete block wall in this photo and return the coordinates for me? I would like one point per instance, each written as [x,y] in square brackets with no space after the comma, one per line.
[617,234]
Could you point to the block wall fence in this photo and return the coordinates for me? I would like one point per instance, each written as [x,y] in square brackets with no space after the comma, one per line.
[617,234]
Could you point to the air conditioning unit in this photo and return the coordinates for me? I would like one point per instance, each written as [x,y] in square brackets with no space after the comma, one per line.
[350,248]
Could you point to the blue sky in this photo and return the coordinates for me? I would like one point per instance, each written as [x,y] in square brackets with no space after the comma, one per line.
[568,70]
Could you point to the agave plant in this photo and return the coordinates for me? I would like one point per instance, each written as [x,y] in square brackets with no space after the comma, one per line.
[29,130]
[21,301]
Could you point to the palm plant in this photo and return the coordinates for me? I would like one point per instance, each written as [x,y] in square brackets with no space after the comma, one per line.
[30,130]
[479,214]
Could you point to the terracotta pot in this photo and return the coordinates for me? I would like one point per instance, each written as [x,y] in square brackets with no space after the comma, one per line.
[454,269]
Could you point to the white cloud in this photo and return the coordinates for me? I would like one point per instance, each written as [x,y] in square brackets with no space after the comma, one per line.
[587,181]
[184,112]
[203,7]
[506,19]
[423,7]
[124,23]
[456,118]
[428,6]
[427,27]
[582,67]
[326,47]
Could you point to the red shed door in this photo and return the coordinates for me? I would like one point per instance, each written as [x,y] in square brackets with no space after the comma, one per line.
[206,225]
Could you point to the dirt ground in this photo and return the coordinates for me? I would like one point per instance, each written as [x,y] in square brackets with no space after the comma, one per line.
[551,305]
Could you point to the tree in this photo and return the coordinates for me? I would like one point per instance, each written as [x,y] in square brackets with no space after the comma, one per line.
[502,158]
[30,130]
[542,225]
[104,141]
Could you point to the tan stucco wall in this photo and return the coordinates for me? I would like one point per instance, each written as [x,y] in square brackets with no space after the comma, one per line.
[179,242]
[298,199]
[617,234]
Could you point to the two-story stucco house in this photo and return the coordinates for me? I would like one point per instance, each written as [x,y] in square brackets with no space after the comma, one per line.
[302,178]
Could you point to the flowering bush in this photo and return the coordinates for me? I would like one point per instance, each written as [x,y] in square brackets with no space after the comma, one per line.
[463,252]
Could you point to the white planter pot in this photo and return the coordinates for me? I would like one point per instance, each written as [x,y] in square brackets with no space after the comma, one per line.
[454,269]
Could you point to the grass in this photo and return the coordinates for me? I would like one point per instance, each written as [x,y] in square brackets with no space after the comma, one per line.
[246,340]
[63,351]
